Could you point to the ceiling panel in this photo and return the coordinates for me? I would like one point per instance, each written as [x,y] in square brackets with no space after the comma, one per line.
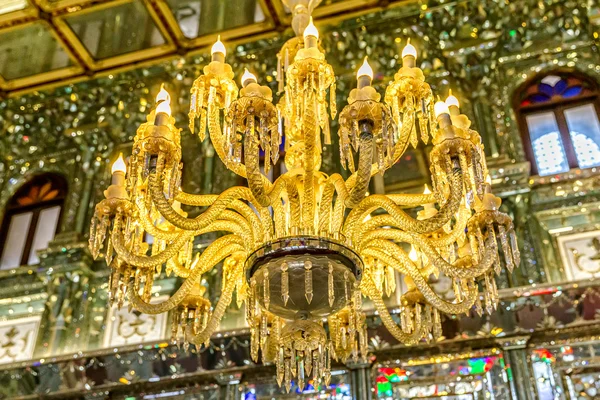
[115,33]
[195,22]
[32,49]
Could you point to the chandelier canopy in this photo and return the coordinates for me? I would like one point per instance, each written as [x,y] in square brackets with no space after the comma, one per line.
[301,252]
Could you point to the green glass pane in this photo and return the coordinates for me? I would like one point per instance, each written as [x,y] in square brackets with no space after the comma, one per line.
[35,44]
[202,17]
[115,31]
[7,6]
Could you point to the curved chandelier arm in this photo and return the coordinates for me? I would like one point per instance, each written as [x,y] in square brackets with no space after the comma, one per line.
[397,259]
[150,228]
[200,222]
[386,318]
[466,270]
[363,174]
[237,205]
[369,227]
[412,199]
[217,314]
[403,220]
[211,256]
[145,262]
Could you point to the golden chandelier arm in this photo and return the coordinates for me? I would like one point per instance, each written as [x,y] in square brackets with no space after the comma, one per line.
[394,256]
[219,310]
[144,262]
[218,250]
[403,220]
[375,295]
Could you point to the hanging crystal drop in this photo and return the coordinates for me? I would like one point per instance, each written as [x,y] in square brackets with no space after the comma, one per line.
[330,288]
[266,289]
[308,283]
[285,289]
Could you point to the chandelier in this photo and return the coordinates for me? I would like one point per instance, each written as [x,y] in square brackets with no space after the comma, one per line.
[300,253]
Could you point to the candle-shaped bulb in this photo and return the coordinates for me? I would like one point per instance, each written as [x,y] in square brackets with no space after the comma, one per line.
[163,100]
[426,190]
[413,255]
[119,165]
[218,47]
[409,50]
[440,108]
[488,180]
[364,75]
[311,30]
[248,78]
[365,70]
[452,101]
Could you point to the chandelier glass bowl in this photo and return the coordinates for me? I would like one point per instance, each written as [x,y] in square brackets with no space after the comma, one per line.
[300,253]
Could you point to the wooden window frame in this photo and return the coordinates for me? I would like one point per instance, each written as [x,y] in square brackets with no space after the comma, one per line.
[36,209]
[558,108]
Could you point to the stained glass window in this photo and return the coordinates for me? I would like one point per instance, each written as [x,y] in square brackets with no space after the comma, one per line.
[31,220]
[559,121]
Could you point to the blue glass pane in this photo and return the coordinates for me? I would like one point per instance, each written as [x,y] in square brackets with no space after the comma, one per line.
[546,89]
[572,91]
[539,98]
[560,86]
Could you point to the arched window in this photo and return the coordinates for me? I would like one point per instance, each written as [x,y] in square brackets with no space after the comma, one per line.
[558,116]
[31,220]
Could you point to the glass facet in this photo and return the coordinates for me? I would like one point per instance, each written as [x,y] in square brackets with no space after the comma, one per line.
[584,129]
[8,6]
[115,31]
[34,43]
[547,144]
[202,17]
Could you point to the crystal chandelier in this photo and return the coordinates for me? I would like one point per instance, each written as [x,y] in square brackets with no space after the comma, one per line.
[301,252]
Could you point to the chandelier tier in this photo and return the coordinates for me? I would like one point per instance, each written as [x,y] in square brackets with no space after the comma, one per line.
[301,252]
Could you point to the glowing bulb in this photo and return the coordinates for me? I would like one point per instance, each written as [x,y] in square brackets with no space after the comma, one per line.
[365,70]
[409,50]
[248,76]
[488,179]
[311,30]
[164,101]
[413,255]
[119,165]
[440,108]
[426,190]
[452,101]
[218,47]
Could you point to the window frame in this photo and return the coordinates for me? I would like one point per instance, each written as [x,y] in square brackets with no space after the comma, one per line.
[558,108]
[36,209]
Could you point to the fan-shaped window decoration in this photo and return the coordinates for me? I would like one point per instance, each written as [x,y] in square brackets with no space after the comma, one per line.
[558,115]
[31,220]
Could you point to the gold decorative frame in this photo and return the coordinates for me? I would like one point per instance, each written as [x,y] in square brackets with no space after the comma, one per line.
[18,16]
[128,58]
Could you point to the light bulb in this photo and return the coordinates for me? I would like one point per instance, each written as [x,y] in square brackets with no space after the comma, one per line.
[452,101]
[440,108]
[426,190]
[119,165]
[488,179]
[248,76]
[365,70]
[218,47]
[311,30]
[409,50]
[164,102]
[413,255]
